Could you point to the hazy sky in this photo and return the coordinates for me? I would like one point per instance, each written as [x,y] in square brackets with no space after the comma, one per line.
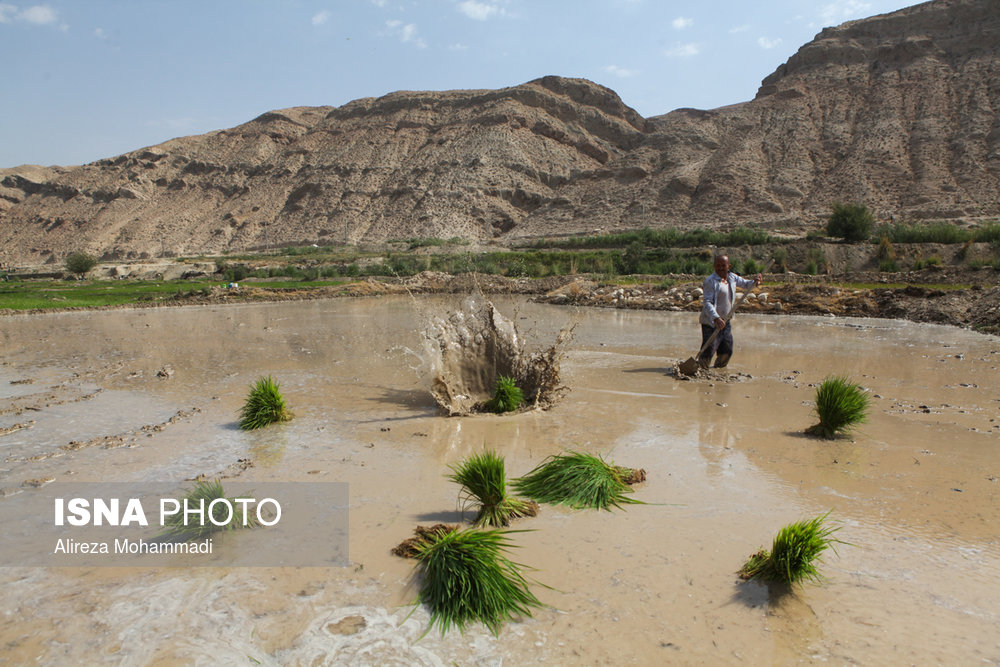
[88,79]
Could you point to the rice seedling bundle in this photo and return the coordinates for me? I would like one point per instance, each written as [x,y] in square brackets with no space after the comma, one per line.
[225,516]
[467,578]
[507,396]
[264,405]
[579,480]
[840,405]
[484,484]
[794,553]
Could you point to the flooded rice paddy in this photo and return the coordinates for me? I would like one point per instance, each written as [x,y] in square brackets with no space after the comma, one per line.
[152,395]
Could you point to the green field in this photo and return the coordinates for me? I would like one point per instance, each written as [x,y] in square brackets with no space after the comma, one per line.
[43,294]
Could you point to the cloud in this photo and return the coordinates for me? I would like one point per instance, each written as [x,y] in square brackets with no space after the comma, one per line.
[768,43]
[842,10]
[406,32]
[683,51]
[39,15]
[321,17]
[458,46]
[739,28]
[480,11]
[99,33]
[620,72]
[35,15]
[378,3]
[680,23]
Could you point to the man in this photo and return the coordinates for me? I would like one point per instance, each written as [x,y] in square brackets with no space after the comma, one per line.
[716,304]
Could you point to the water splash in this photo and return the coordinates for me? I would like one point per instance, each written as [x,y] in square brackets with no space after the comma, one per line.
[471,347]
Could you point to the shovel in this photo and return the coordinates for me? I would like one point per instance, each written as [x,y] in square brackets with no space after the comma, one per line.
[690,367]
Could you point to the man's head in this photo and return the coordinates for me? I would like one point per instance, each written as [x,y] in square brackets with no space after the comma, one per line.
[722,265]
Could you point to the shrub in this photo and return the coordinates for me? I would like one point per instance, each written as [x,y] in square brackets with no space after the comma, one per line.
[80,262]
[236,272]
[468,578]
[264,405]
[851,222]
[932,262]
[814,260]
[885,248]
[484,484]
[840,405]
[507,396]
[989,233]
[578,480]
[631,258]
[795,551]
[780,258]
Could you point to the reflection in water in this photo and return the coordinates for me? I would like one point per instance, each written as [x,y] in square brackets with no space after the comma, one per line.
[268,448]
[715,430]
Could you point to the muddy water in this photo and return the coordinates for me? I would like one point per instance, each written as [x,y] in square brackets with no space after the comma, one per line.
[915,490]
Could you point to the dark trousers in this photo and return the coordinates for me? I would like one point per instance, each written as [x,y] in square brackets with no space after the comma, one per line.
[723,345]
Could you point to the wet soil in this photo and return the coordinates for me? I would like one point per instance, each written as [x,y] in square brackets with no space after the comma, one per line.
[915,490]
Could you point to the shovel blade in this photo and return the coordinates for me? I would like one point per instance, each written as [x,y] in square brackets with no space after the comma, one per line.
[689,367]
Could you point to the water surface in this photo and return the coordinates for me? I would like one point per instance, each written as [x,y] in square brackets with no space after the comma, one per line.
[915,490]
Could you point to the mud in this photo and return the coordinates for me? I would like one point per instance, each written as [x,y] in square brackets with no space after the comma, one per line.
[470,348]
[915,490]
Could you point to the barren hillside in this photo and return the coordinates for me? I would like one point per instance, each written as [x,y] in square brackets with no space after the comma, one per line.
[900,111]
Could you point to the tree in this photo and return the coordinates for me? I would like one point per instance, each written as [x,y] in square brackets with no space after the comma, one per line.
[80,262]
[851,222]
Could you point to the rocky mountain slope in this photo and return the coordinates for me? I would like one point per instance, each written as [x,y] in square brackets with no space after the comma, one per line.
[900,111]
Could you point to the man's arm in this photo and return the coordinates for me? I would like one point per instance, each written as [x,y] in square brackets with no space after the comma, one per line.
[708,297]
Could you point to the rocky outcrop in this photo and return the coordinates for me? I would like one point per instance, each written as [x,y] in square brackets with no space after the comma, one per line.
[900,111]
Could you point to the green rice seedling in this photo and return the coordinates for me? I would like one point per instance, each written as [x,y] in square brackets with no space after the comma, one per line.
[578,480]
[507,396]
[794,553]
[222,516]
[467,578]
[840,405]
[264,405]
[484,485]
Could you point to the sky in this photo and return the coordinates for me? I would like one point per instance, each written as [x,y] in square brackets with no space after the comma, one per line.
[83,80]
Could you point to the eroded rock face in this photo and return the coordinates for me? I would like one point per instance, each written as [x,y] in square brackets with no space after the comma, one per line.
[901,111]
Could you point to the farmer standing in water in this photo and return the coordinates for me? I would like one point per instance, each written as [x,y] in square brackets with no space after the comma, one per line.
[716,303]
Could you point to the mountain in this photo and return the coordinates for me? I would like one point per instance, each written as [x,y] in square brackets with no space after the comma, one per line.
[899,111]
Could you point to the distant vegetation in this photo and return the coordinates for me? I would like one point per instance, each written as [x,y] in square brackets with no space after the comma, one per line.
[624,257]
[663,238]
[80,262]
[851,222]
[939,232]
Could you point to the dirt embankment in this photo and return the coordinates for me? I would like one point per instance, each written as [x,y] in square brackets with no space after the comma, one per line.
[977,307]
